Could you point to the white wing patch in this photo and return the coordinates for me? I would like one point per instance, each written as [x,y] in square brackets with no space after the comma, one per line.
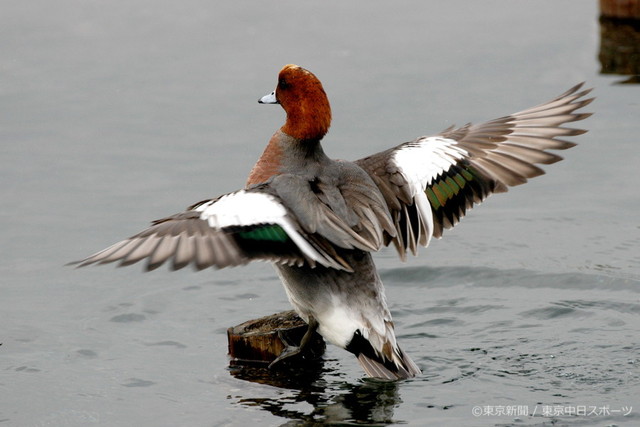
[242,209]
[423,160]
[246,208]
[420,163]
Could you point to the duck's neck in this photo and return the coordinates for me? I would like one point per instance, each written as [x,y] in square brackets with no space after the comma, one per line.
[308,122]
[295,147]
[283,154]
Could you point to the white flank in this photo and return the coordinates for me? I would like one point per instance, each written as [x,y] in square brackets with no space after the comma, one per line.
[250,208]
[338,324]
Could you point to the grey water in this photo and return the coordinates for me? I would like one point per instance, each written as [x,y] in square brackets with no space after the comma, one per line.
[113,114]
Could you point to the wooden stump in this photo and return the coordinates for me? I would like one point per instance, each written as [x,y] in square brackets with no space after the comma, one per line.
[626,9]
[259,341]
[620,38]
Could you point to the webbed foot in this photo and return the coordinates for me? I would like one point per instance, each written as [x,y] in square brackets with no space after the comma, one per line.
[292,350]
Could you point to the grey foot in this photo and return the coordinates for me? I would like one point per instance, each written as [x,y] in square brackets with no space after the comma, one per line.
[292,350]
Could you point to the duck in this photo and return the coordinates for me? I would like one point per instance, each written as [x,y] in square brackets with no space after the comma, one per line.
[319,220]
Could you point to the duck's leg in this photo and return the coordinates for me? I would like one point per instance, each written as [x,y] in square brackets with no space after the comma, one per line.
[291,350]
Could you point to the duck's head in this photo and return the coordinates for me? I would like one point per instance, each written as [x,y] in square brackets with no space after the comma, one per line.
[303,99]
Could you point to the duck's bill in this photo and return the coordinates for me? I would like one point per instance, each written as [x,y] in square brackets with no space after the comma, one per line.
[269,99]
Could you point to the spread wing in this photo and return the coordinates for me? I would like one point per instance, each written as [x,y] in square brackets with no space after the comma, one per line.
[296,228]
[431,182]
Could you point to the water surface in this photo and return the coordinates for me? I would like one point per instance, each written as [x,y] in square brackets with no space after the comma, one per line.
[116,113]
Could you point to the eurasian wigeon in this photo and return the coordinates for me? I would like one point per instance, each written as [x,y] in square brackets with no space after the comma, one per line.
[318,220]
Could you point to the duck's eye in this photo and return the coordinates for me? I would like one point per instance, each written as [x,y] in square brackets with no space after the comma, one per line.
[283,83]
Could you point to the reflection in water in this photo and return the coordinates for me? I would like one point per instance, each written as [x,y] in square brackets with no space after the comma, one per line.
[369,401]
[304,376]
[619,42]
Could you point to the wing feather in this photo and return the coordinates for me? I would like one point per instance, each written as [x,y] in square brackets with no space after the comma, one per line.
[460,167]
[231,230]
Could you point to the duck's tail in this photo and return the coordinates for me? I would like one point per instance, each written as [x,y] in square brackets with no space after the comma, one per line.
[387,369]
[390,363]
